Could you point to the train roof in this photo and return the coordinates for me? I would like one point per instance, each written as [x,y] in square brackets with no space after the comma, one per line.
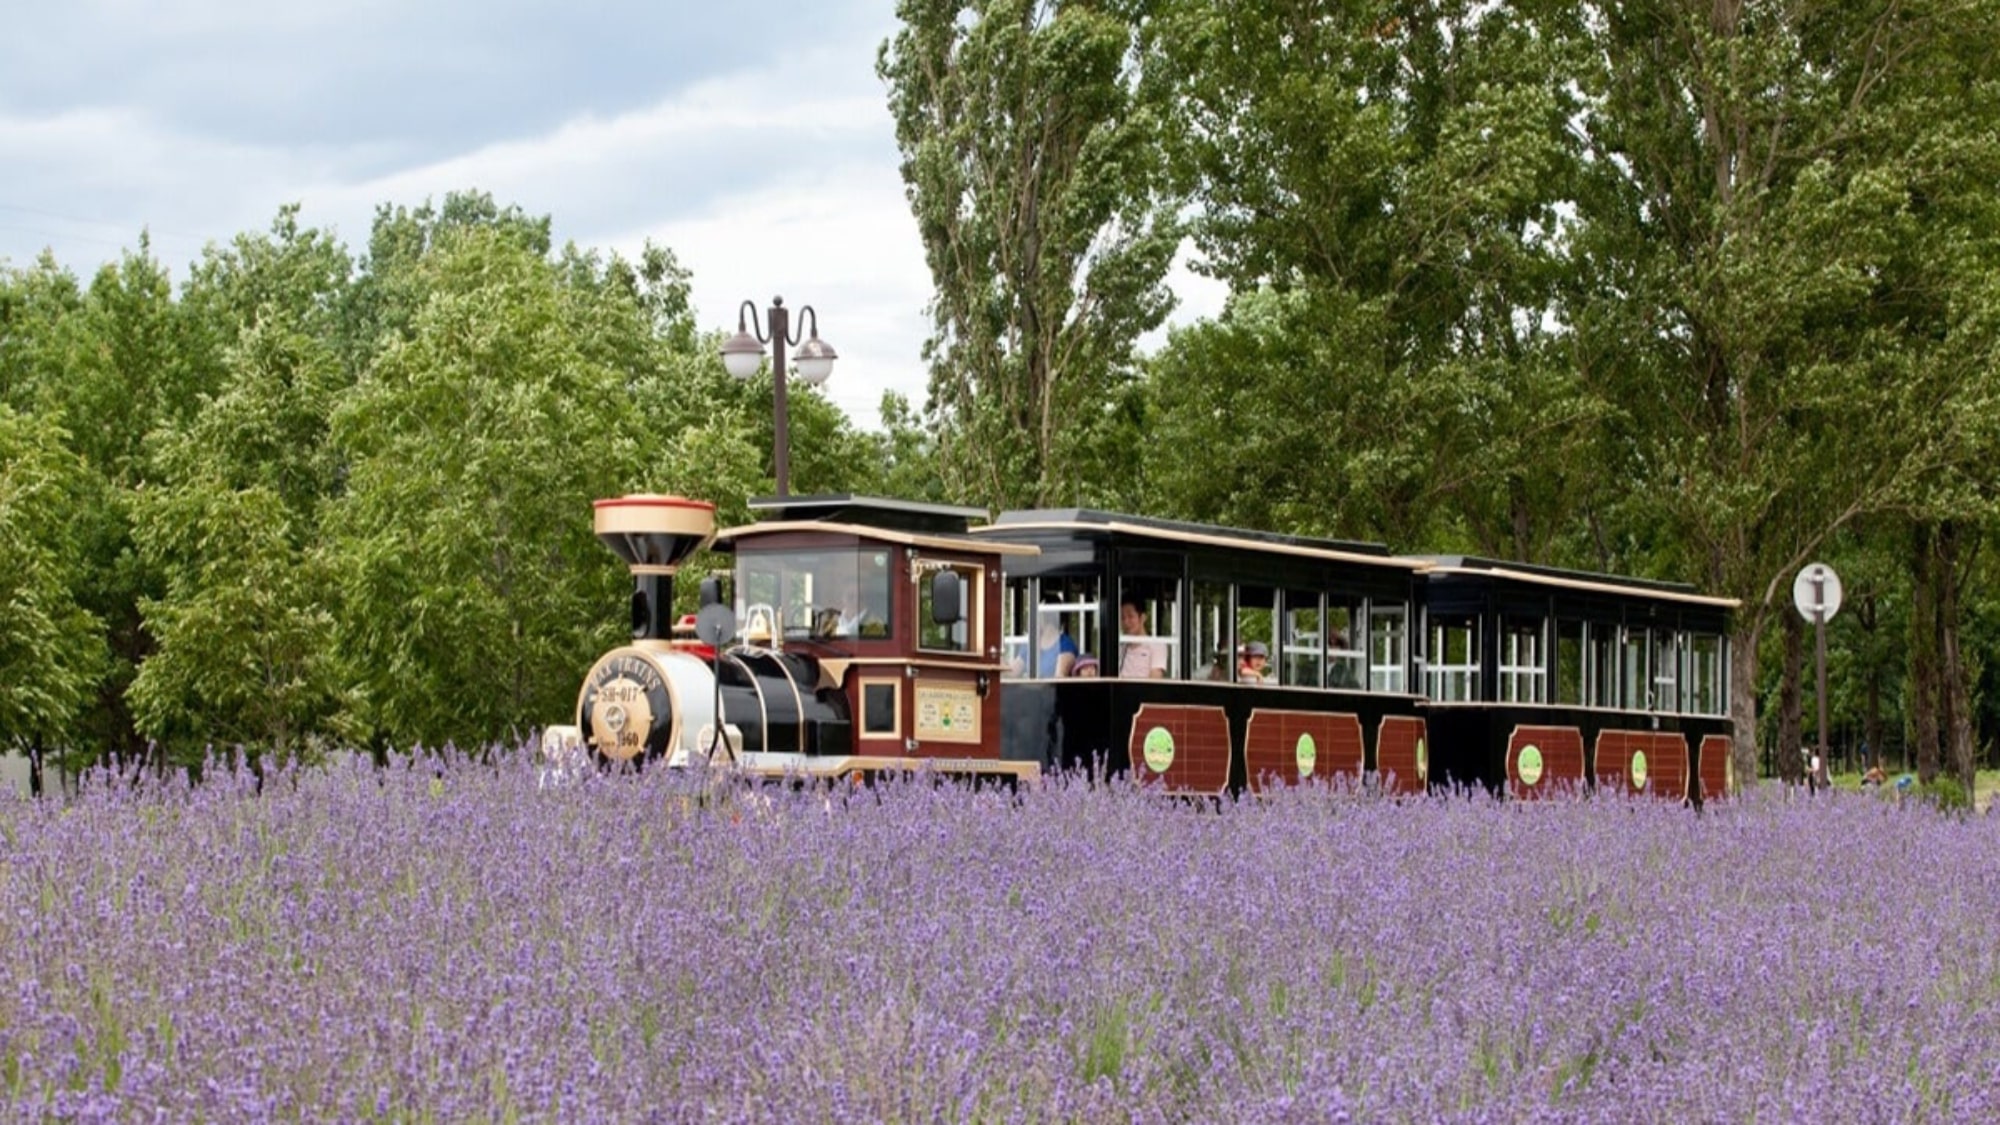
[1449,566]
[870,511]
[1091,522]
[907,522]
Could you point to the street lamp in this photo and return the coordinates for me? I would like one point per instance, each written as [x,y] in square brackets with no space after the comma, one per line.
[743,354]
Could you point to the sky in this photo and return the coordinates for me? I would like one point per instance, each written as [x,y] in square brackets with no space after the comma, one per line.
[753,141]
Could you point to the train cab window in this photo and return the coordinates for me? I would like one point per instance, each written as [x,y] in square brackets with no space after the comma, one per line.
[1666,671]
[1633,676]
[1209,637]
[1301,658]
[1451,671]
[1345,635]
[962,635]
[1706,674]
[1149,629]
[1388,647]
[1523,671]
[881,706]
[814,594]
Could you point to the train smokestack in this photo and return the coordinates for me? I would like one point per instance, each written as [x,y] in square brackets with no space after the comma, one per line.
[654,535]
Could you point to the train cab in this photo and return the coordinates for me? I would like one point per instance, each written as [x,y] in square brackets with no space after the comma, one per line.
[886,614]
[1542,680]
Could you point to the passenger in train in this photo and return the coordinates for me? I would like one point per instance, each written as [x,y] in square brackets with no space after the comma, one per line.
[1341,673]
[1217,668]
[1055,649]
[1139,659]
[1086,667]
[1253,664]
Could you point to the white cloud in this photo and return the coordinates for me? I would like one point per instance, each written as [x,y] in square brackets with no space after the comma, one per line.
[839,239]
[778,179]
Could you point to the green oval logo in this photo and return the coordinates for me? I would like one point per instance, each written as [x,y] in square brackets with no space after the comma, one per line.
[1529,764]
[1638,769]
[1308,754]
[1159,749]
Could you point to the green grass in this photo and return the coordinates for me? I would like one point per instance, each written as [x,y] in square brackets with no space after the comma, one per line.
[1985,785]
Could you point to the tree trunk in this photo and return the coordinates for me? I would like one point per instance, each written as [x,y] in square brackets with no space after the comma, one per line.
[1743,701]
[1955,681]
[1923,651]
[35,766]
[1868,615]
[1791,702]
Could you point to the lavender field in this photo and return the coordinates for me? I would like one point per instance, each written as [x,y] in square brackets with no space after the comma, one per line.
[451,942]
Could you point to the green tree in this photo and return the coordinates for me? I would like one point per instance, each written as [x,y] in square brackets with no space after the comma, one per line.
[108,365]
[1383,186]
[243,628]
[1035,176]
[1775,240]
[471,587]
[52,650]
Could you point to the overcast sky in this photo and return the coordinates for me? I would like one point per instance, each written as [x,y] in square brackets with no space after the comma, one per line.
[755,141]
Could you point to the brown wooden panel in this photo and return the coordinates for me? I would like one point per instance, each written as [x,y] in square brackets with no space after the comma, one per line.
[1718,771]
[1665,766]
[1192,743]
[1402,754]
[1560,753]
[1277,754]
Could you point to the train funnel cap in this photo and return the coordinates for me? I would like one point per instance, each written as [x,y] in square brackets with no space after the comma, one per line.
[654,534]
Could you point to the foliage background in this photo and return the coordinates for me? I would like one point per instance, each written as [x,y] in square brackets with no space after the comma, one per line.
[1689,291]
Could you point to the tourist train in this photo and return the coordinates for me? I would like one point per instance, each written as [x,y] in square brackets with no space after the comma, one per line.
[858,636]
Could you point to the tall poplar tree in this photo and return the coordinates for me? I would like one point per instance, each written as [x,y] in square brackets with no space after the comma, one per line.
[1382,184]
[1035,177]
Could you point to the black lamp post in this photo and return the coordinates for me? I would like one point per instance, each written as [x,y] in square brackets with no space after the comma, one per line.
[743,354]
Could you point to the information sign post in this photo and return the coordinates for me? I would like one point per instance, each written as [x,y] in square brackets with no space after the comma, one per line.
[1816,591]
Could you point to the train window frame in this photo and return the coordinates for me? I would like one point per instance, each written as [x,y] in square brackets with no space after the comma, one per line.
[1025,600]
[1145,593]
[798,575]
[967,634]
[868,710]
[1018,598]
[1255,620]
[1572,675]
[1634,673]
[1708,678]
[1301,645]
[1341,654]
[1600,648]
[1211,636]
[1523,675]
[1451,657]
[1663,658]
[1388,647]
